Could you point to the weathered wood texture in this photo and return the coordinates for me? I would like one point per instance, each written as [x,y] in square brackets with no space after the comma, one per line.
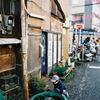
[7,58]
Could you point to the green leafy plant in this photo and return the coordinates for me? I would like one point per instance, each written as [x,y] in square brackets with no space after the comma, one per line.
[72,60]
[60,69]
[39,84]
[70,76]
[36,85]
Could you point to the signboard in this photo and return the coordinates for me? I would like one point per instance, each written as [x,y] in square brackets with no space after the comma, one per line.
[55,52]
[79,26]
[49,50]
[59,51]
[84,31]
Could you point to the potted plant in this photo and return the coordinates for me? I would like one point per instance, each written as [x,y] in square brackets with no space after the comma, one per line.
[36,85]
[73,62]
[61,71]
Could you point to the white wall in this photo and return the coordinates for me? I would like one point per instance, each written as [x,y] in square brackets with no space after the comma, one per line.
[96,11]
[96,20]
[78,7]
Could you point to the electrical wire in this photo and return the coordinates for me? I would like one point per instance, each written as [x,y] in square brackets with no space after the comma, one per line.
[1,11]
[0,6]
[87,4]
[3,7]
[11,6]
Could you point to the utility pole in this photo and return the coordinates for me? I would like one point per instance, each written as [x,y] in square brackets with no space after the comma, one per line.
[24,51]
[80,37]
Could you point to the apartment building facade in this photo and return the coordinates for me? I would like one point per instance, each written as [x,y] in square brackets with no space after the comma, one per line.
[85,13]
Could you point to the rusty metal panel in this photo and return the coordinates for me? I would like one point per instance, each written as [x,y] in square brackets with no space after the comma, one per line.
[7,62]
[7,58]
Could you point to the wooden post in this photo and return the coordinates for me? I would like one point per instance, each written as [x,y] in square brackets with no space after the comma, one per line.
[83,54]
[24,51]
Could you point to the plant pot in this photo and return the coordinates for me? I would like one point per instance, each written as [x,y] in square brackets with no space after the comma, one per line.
[67,65]
[73,64]
[61,71]
[61,74]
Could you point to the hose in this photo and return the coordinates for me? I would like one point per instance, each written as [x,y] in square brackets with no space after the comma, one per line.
[49,94]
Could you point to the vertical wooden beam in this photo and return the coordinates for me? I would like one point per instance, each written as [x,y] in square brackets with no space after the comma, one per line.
[24,51]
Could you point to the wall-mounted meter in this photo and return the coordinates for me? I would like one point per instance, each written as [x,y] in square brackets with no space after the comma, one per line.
[8,20]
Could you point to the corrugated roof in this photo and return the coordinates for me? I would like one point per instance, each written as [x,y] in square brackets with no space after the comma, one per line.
[9,41]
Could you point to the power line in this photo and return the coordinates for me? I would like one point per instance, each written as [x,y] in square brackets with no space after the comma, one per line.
[87,4]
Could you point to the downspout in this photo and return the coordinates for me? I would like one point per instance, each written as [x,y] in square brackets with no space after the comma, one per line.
[24,51]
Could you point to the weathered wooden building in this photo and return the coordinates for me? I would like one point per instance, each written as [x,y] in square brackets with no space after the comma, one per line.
[44,21]
[45,33]
[32,36]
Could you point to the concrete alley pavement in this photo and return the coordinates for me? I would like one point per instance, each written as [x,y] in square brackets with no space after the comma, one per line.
[85,84]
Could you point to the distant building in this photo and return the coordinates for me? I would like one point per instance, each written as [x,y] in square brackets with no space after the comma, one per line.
[87,13]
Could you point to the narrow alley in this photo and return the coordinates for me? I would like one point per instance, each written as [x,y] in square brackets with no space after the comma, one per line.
[41,42]
[85,84]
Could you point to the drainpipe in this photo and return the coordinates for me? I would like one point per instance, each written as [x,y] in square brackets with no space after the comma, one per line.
[24,51]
